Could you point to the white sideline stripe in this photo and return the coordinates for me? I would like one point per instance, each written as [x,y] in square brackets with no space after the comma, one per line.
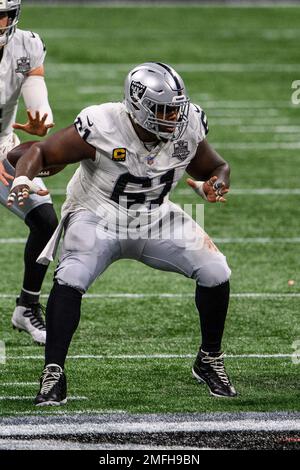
[129,295]
[6,397]
[58,67]
[39,412]
[158,356]
[150,427]
[258,240]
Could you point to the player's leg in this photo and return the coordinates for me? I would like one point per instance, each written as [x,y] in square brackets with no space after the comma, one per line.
[191,252]
[84,256]
[40,217]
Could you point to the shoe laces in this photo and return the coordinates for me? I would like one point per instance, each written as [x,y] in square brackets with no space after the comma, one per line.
[35,314]
[217,364]
[49,379]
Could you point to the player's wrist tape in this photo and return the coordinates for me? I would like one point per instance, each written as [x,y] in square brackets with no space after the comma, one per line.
[35,95]
[24,180]
[199,189]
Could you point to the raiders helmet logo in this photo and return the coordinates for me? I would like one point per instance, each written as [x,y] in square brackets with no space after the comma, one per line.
[137,90]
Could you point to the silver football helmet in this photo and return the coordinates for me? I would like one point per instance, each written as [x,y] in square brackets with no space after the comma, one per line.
[155,98]
[12,9]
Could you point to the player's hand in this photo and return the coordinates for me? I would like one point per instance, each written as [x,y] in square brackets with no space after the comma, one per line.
[4,176]
[35,125]
[213,189]
[21,192]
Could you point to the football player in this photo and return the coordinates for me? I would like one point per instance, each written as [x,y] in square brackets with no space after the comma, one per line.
[22,73]
[132,155]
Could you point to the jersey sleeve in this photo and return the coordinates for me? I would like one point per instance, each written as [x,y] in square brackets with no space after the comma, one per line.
[201,123]
[86,126]
[35,48]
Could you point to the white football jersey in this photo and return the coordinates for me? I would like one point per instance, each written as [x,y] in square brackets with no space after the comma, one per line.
[24,52]
[124,171]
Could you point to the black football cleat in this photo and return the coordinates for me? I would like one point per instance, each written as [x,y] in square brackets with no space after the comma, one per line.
[209,368]
[53,387]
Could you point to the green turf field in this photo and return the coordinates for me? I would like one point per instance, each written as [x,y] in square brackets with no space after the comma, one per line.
[238,64]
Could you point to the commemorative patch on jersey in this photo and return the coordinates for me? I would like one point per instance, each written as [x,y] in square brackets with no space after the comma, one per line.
[119,155]
[181,150]
[23,65]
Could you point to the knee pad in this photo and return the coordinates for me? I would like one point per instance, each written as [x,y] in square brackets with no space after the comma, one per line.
[214,272]
[74,275]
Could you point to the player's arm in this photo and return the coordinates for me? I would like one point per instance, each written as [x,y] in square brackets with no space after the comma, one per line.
[211,173]
[64,147]
[35,94]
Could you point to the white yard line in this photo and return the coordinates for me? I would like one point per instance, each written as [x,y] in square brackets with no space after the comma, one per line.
[243,120]
[129,295]
[240,191]
[258,145]
[18,384]
[162,5]
[269,129]
[237,191]
[256,67]
[231,240]
[7,397]
[257,240]
[153,356]
[86,90]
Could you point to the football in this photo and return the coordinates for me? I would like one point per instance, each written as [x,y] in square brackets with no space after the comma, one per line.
[16,153]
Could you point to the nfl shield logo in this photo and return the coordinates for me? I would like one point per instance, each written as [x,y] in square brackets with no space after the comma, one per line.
[23,65]
[150,159]
[181,150]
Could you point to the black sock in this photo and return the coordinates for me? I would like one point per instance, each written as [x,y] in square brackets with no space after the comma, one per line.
[62,319]
[42,222]
[28,298]
[212,304]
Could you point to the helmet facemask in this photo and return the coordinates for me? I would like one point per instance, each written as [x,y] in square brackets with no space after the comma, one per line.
[11,8]
[158,121]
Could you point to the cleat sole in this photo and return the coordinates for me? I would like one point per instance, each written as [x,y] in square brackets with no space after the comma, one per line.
[52,403]
[20,330]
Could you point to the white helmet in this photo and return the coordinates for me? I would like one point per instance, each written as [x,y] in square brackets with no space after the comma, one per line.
[12,9]
[154,89]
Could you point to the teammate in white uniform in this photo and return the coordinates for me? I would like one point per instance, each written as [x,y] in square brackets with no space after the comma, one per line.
[132,154]
[22,55]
